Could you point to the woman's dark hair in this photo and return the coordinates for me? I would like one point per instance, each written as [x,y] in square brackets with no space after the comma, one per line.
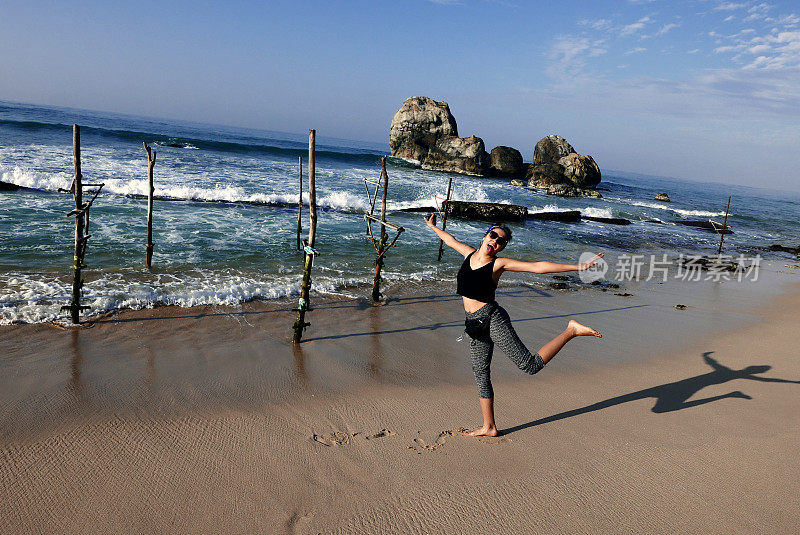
[501,227]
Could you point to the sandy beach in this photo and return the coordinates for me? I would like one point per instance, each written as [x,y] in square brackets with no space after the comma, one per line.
[175,420]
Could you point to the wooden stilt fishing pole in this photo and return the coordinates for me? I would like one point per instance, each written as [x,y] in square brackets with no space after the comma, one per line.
[724,226]
[151,163]
[382,245]
[444,216]
[300,324]
[77,193]
[300,205]
[376,281]
[81,213]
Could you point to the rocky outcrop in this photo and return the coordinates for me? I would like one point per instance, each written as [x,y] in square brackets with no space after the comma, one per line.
[581,170]
[707,225]
[486,211]
[784,249]
[662,197]
[417,125]
[570,216]
[607,220]
[505,162]
[8,186]
[465,155]
[558,168]
[551,149]
[424,131]
[566,190]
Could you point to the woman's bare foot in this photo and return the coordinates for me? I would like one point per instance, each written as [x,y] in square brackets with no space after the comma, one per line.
[579,329]
[485,431]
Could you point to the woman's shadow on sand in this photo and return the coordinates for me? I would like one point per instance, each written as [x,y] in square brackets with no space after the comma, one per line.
[672,396]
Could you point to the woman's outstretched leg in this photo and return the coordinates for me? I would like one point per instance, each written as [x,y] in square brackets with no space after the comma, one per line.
[549,350]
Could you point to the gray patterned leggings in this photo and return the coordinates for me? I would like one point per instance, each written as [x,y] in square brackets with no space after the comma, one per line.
[502,333]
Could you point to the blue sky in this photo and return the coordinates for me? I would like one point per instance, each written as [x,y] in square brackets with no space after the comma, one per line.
[697,89]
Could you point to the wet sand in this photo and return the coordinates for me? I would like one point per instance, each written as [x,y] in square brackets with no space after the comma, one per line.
[208,420]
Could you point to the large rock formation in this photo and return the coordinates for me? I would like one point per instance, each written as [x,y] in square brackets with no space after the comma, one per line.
[465,155]
[581,170]
[551,149]
[487,211]
[557,167]
[425,131]
[505,162]
[417,125]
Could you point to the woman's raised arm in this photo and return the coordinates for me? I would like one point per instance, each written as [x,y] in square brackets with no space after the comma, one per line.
[509,264]
[448,238]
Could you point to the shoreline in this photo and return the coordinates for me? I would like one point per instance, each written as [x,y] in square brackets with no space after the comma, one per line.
[207,419]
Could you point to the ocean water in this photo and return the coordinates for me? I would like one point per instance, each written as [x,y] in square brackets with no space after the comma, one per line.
[226,211]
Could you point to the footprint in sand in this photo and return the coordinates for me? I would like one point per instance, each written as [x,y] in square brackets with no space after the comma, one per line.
[339,438]
[418,445]
[380,434]
[334,439]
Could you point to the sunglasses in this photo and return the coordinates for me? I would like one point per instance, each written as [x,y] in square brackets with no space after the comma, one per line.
[502,240]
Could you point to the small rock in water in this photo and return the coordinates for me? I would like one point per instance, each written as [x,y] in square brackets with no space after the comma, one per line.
[662,197]
[624,294]
[681,307]
[561,277]
[559,285]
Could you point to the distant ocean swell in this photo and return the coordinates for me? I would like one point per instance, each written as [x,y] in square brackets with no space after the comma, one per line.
[259,146]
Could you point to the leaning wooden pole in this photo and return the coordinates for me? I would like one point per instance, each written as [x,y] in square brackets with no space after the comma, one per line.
[724,226]
[300,324]
[376,281]
[77,193]
[151,163]
[300,205]
[444,216]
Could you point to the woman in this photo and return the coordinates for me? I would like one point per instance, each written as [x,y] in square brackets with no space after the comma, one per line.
[488,323]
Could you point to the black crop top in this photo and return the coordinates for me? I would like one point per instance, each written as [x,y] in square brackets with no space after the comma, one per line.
[478,283]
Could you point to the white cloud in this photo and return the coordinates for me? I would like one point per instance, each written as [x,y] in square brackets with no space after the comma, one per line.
[665,28]
[693,51]
[636,50]
[597,24]
[763,7]
[631,29]
[788,21]
[758,49]
[569,54]
[728,18]
[729,6]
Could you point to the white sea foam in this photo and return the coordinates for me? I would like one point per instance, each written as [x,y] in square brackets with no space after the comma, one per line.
[37,298]
[37,180]
[663,206]
[591,211]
